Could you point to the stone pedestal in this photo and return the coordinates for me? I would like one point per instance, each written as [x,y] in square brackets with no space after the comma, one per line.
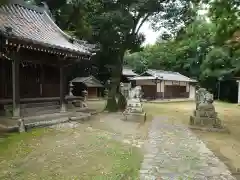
[135,117]
[134,111]
[205,115]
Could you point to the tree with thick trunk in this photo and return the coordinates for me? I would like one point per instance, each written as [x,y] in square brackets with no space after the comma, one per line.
[116,26]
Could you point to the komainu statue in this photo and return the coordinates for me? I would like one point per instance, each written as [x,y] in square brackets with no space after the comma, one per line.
[205,114]
[134,109]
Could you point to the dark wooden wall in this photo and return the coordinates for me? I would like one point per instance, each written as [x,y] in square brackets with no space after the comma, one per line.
[5,78]
[36,80]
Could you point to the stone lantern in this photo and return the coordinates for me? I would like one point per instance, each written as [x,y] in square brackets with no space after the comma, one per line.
[105,93]
[121,88]
[70,89]
[85,94]
[107,87]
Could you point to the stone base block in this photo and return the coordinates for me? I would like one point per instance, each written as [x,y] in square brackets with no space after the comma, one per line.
[205,121]
[205,113]
[135,117]
[209,129]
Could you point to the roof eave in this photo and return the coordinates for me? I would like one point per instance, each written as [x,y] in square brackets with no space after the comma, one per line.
[26,40]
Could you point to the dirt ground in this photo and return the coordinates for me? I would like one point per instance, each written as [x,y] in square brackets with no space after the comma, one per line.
[225,146]
[105,147]
[93,150]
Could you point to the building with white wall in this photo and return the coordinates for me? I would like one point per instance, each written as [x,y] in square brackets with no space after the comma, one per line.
[158,84]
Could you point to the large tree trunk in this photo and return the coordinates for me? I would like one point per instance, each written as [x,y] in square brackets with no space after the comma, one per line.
[112,105]
[111,101]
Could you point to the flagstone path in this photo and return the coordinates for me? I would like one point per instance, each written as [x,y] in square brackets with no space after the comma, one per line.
[173,152]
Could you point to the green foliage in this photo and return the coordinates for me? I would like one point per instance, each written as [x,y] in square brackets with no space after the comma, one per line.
[195,52]
[227,17]
[185,54]
[137,61]
[216,64]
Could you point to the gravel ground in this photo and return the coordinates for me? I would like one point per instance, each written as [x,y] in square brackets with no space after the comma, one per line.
[173,152]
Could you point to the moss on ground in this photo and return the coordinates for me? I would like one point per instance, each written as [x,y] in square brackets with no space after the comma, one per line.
[12,144]
[71,154]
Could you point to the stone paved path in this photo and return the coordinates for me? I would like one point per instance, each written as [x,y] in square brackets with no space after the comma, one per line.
[173,152]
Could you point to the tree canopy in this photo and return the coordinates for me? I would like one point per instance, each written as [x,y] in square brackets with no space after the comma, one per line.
[200,49]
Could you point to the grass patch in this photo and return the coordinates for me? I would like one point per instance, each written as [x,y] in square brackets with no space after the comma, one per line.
[68,154]
[125,162]
[16,144]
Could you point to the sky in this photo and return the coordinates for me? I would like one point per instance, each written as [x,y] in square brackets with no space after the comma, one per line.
[151,36]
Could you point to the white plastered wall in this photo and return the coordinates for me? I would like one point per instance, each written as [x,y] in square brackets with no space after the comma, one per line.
[238,92]
[192,92]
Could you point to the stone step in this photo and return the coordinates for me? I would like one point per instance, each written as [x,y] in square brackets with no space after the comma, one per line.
[56,118]
[39,110]
[42,120]
[39,104]
[45,116]
[32,124]
[39,113]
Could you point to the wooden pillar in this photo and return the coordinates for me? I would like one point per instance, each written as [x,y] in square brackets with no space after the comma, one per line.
[15,86]
[42,77]
[3,83]
[189,90]
[63,106]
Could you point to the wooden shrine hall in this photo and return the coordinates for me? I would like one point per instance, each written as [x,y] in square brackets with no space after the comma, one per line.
[34,57]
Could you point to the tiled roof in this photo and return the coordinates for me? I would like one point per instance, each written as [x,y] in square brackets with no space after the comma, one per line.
[169,75]
[143,78]
[33,24]
[128,72]
[89,81]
